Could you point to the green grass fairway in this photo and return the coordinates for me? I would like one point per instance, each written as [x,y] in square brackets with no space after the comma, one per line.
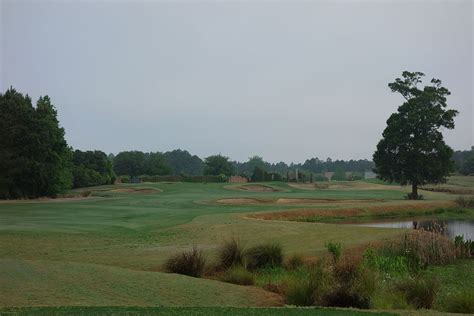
[108,249]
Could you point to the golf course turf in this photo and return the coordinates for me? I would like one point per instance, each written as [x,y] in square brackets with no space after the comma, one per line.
[108,249]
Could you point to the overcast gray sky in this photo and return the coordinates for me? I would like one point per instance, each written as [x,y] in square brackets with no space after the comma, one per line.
[284,80]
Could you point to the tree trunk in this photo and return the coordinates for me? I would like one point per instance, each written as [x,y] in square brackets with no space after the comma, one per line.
[414,191]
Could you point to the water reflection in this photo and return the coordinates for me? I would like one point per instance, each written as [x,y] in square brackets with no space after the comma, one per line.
[451,227]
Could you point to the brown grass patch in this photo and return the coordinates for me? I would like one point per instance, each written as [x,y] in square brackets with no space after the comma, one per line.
[291,201]
[351,213]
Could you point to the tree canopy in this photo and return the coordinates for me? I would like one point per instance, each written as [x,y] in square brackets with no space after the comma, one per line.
[135,163]
[35,159]
[92,168]
[182,162]
[412,150]
[217,164]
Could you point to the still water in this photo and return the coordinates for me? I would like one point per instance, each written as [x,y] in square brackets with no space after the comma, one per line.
[451,227]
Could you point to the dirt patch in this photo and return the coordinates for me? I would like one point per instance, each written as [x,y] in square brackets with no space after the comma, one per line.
[291,201]
[353,212]
[138,190]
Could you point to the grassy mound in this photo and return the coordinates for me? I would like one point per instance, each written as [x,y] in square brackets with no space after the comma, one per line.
[39,283]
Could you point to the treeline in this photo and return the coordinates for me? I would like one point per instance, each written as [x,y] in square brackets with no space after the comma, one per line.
[464,161]
[35,159]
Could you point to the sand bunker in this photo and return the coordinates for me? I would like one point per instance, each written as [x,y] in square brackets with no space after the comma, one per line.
[137,190]
[285,201]
[257,188]
[309,186]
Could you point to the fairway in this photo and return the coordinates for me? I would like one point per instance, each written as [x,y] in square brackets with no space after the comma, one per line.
[108,249]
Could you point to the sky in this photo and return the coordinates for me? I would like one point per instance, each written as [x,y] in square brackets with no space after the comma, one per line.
[283,80]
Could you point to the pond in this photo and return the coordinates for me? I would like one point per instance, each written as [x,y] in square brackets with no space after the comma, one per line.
[452,228]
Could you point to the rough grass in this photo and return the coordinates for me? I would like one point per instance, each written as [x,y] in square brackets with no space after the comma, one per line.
[238,275]
[51,283]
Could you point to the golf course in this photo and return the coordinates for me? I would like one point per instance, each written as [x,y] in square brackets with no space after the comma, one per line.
[107,245]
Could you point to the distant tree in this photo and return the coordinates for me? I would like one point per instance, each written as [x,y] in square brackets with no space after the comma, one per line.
[155,164]
[35,159]
[468,166]
[412,150]
[92,168]
[135,163]
[339,175]
[182,162]
[218,164]
[131,163]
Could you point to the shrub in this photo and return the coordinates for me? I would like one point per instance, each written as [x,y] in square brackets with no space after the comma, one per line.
[299,291]
[230,253]
[310,289]
[386,264]
[269,255]
[190,263]
[464,248]
[334,249]
[422,248]
[460,303]
[354,284]
[86,193]
[342,297]
[419,292]
[124,179]
[238,275]
[294,262]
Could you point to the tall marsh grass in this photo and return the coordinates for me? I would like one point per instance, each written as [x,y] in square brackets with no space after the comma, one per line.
[191,263]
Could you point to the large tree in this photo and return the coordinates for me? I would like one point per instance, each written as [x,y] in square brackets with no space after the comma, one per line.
[412,150]
[218,164]
[181,161]
[35,159]
[92,168]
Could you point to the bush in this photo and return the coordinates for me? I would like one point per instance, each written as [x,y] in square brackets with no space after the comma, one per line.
[269,255]
[419,292]
[86,193]
[308,289]
[189,263]
[354,284]
[294,262]
[334,249]
[299,291]
[238,275]
[460,303]
[422,248]
[124,179]
[342,297]
[386,264]
[230,253]
[464,248]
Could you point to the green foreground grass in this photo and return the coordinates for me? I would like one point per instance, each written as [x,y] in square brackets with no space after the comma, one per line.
[195,311]
[108,249]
